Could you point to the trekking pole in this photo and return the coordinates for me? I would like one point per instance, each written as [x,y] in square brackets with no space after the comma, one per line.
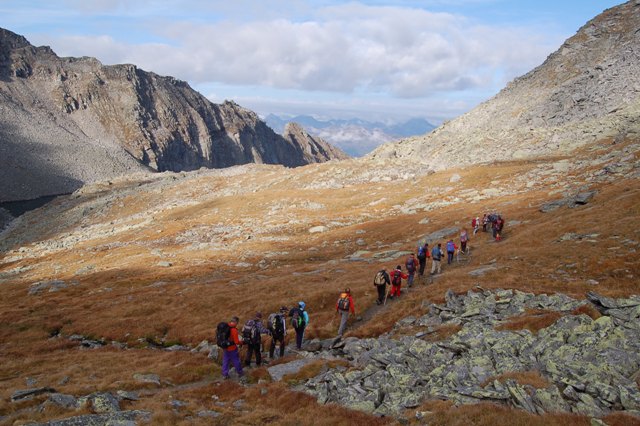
[386,293]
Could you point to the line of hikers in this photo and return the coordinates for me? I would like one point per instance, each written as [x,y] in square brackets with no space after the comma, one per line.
[229,339]
[491,220]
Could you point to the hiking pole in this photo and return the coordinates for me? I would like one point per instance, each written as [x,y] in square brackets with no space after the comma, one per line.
[386,293]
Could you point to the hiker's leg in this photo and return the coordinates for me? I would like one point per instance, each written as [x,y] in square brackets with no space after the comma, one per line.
[433,266]
[282,347]
[235,359]
[381,289]
[247,361]
[343,322]
[225,363]
[410,280]
[258,355]
[299,334]
[272,347]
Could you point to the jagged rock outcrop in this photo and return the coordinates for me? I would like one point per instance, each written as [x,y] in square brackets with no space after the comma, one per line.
[591,365]
[68,121]
[313,148]
[588,90]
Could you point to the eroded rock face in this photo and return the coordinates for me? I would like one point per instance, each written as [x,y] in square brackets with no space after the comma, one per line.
[589,364]
[68,121]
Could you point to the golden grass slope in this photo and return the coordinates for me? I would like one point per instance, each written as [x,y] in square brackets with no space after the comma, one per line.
[162,259]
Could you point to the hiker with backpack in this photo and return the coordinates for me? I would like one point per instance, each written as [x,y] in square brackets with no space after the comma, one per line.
[299,321]
[251,336]
[344,305]
[380,281]
[423,255]
[475,224]
[485,222]
[497,228]
[277,325]
[436,257]
[410,264]
[396,281]
[451,249]
[227,339]
[464,239]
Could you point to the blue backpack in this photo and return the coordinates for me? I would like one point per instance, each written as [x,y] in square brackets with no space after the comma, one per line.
[451,247]
[421,251]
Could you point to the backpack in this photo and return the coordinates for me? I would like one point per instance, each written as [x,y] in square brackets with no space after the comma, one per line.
[410,264]
[223,335]
[251,333]
[343,302]
[297,321]
[463,237]
[435,253]
[421,252]
[380,278]
[474,222]
[451,247]
[397,278]
[276,326]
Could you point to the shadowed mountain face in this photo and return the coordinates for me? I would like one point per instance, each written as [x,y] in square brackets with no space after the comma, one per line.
[587,90]
[69,121]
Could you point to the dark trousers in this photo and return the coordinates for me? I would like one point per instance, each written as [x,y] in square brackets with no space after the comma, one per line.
[272,348]
[463,246]
[251,348]
[449,257]
[299,336]
[423,263]
[382,289]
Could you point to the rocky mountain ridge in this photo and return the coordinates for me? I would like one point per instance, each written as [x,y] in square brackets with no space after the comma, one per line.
[588,90]
[69,121]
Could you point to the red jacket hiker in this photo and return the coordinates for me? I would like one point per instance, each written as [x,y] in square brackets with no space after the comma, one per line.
[395,289]
[352,307]
[234,337]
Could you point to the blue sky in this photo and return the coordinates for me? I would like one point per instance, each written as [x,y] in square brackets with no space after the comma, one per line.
[377,59]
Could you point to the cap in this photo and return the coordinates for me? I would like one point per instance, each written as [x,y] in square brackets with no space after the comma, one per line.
[283,308]
[258,314]
[302,305]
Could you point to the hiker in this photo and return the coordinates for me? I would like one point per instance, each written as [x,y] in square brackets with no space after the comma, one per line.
[423,255]
[497,228]
[380,281]
[230,353]
[451,249]
[299,321]
[464,238]
[277,325]
[475,224]
[396,281]
[436,257]
[344,305]
[485,222]
[410,264]
[251,336]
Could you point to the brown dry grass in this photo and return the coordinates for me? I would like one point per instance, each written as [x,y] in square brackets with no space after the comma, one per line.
[444,413]
[125,296]
[531,378]
[533,320]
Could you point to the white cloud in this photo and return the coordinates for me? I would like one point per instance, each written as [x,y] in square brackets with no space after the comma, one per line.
[353,47]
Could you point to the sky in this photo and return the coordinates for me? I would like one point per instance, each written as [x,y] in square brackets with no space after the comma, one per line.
[378,60]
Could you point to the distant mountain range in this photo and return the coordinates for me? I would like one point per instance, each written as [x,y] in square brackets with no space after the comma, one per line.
[356,137]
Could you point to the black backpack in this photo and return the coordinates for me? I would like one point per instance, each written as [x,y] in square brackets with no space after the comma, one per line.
[397,278]
[276,326]
[297,320]
[223,335]
[251,333]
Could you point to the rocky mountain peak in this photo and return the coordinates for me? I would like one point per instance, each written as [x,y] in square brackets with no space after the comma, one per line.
[588,90]
[70,121]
